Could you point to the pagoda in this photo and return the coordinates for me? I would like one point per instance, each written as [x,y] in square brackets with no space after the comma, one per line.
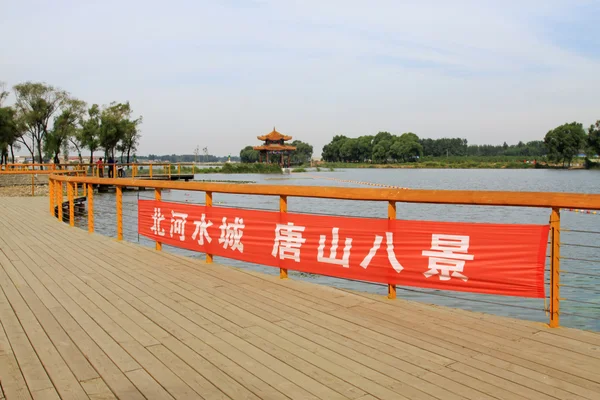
[274,146]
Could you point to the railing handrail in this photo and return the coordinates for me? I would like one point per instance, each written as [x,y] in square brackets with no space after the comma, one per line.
[41,172]
[456,197]
[105,163]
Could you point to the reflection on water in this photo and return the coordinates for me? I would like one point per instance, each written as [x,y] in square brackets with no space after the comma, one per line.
[581,278]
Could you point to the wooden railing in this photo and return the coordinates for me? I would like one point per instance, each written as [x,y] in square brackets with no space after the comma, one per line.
[93,169]
[552,201]
[34,173]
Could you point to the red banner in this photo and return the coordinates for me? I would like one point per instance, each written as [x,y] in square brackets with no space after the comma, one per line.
[469,257]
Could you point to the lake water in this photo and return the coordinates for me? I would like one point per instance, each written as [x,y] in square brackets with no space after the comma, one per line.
[580,307]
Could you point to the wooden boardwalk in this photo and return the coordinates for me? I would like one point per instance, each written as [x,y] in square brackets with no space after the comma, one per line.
[82,315]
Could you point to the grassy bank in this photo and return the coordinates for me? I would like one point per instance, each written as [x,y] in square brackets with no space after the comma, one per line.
[225,169]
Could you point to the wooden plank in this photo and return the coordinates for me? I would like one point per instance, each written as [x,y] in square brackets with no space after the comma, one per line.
[11,379]
[148,386]
[195,380]
[31,367]
[303,385]
[345,388]
[360,376]
[164,376]
[12,382]
[46,394]
[97,389]
[219,371]
[109,371]
[62,377]
[69,352]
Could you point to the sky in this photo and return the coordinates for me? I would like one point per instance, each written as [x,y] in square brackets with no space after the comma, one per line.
[218,73]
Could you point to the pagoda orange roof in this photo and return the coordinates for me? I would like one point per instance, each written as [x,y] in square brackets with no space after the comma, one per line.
[274,135]
[274,147]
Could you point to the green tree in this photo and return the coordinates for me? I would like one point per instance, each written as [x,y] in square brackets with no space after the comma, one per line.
[380,152]
[331,151]
[89,135]
[248,155]
[36,104]
[131,138]
[349,150]
[365,148]
[115,125]
[302,154]
[565,141]
[9,133]
[594,138]
[406,148]
[66,125]
[3,93]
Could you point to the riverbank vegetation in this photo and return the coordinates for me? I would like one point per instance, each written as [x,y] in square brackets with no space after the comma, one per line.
[465,162]
[228,168]
[560,147]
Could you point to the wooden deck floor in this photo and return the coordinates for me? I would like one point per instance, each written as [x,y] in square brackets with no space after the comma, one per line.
[85,316]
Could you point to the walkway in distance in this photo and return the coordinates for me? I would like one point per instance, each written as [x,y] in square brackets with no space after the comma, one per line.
[82,315]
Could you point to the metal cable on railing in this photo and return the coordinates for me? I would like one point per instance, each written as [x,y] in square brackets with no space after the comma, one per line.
[580,275]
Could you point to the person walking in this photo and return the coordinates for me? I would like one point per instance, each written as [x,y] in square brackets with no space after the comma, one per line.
[100,168]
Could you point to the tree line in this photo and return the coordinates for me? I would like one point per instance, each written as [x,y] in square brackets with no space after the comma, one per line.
[561,144]
[47,121]
[386,147]
[188,158]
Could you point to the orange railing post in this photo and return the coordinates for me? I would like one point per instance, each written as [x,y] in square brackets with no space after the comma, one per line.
[391,215]
[51,196]
[70,189]
[32,185]
[283,273]
[209,203]
[90,200]
[158,197]
[119,199]
[555,268]
[150,170]
[60,201]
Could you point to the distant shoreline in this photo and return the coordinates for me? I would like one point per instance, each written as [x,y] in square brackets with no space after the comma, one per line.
[451,165]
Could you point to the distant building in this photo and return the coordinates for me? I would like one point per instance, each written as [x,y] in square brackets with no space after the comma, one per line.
[273,147]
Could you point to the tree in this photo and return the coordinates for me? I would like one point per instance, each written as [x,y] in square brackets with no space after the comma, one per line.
[365,148]
[594,138]
[8,133]
[302,154]
[36,104]
[116,126]
[66,126]
[406,148]
[380,153]
[331,151]
[89,135]
[248,155]
[131,137]
[349,150]
[565,142]
[3,93]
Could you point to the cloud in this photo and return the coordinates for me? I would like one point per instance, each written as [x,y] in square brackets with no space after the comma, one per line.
[218,74]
